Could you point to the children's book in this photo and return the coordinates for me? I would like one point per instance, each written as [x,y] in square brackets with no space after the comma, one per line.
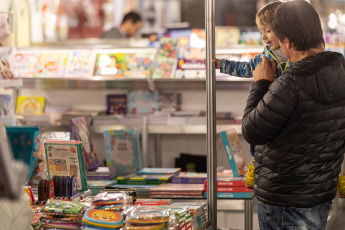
[6,106]
[21,140]
[166,58]
[81,63]
[117,104]
[65,158]
[139,64]
[159,171]
[81,133]
[142,102]
[164,68]
[52,64]
[40,171]
[229,144]
[122,150]
[29,105]
[110,64]
[24,63]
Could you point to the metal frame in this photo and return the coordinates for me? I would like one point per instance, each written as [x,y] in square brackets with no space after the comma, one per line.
[211,114]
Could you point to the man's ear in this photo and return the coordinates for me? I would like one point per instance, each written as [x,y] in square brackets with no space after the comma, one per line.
[287,43]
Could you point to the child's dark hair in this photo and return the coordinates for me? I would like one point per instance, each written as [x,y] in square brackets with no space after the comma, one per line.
[266,14]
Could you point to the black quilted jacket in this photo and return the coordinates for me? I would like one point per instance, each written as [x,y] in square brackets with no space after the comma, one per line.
[298,125]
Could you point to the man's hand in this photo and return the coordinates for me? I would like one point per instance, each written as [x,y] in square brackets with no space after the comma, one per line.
[265,70]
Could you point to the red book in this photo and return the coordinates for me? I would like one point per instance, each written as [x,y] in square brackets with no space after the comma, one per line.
[231,189]
[229,183]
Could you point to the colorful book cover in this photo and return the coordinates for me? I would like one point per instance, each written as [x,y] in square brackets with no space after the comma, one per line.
[63,207]
[6,106]
[24,64]
[166,58]
[21,140]
[81,63]
[117,104]
[81,133]
[29,105]
[52,64]
[6,70]
[122,150]
[164,68]
[40,171]
[110,64]
[168,48]
[159,171]
[65,158]
[139,65]
[142,102]
[230,144]
[233,195]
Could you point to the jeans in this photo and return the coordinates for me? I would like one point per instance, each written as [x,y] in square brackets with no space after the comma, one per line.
[291,218]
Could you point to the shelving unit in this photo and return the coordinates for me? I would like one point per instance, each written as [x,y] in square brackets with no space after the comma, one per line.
[17,83]
[100,83]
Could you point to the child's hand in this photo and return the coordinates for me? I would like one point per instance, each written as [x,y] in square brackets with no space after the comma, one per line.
[217,63]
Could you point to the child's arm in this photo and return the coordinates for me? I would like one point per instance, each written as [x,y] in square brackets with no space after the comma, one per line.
[240,69]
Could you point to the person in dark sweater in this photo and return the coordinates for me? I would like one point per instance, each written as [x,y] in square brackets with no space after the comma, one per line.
[297,123]
[130,25]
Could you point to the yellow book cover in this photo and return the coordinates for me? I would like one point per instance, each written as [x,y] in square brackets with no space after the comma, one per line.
[30,105]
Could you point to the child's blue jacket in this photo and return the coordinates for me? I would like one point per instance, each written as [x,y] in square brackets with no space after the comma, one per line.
[245,69]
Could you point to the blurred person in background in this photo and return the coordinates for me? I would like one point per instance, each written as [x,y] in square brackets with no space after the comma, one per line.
[130,25]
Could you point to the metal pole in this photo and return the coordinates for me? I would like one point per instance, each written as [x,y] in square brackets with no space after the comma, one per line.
[211,114]
[248,214]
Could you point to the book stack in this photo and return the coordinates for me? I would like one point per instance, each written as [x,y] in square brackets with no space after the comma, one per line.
[58,214]
[159,171]
[141,191]
[183,216]
[134,179]
[177,191]
[98,185]
[160,118]
[231,187]
[101,173]
[189,178]
[198,212]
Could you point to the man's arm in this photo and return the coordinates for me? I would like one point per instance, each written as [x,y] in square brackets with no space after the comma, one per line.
[268,106]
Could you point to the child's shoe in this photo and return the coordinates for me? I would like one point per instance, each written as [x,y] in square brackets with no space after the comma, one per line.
[250,175]
[341,185]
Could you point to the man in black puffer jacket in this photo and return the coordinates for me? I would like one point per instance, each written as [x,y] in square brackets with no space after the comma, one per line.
[297,124]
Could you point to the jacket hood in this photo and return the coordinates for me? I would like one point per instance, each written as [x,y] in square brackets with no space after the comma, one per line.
[322,76]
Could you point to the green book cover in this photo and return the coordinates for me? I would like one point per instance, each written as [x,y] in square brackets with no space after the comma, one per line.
[65,158]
